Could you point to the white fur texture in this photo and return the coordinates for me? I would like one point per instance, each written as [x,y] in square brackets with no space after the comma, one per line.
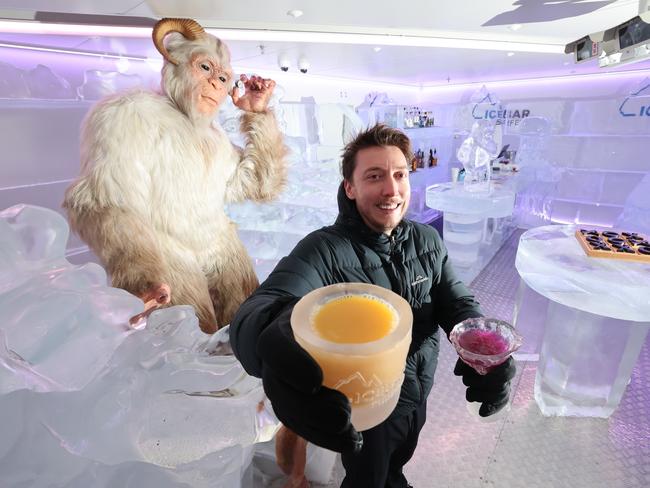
[150,196]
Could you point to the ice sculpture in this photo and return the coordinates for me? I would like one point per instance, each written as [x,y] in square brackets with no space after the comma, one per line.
[98,84]
[482,145]
[12,82]
[39,82]
[88,401]
[377,107]
[44,83]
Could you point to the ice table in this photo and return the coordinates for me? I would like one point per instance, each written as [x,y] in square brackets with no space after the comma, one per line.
[475,224]
[594,313]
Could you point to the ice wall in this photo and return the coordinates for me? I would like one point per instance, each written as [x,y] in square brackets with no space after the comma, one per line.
[583,141]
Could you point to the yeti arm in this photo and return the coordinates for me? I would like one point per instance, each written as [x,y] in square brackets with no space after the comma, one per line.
[109,204]
[261,172]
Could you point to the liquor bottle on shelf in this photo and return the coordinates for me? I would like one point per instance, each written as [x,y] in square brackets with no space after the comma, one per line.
[414,165]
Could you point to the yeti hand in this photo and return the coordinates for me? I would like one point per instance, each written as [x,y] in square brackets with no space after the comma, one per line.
[257,94]
[154,297]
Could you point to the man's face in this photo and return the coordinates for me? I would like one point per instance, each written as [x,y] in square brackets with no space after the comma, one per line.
[211,84]
[380,187]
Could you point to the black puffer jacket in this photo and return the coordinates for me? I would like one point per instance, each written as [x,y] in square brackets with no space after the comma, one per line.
[412,262]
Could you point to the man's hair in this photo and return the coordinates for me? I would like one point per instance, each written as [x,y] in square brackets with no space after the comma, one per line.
[377,136]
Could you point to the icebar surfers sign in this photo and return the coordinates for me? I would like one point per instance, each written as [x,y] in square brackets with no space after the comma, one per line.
[486,109]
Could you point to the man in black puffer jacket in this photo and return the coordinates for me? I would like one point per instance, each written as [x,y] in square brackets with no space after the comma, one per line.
[370,242]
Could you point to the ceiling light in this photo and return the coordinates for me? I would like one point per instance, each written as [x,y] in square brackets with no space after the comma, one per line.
[384,40]
[511,54]
[292,36]
[515,27]
[295,13]
[376,49]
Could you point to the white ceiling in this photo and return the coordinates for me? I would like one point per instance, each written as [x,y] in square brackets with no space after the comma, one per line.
[552,23]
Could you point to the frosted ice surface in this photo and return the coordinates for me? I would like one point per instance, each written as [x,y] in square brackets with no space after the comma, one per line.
[31,234]
[535,126]
[270,231]
[88,401]
[61,323]
[98,84]
[269,245]
[636,213]
[453,197]
[551,261]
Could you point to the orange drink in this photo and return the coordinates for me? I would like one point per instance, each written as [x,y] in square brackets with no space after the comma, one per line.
[353,319]
[359,334]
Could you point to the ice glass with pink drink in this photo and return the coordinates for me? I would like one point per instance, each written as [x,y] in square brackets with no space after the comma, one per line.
[484,343]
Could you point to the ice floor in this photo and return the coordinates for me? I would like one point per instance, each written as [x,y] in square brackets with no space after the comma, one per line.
[523,448]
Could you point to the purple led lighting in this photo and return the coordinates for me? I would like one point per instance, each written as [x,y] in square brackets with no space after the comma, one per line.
[560,79]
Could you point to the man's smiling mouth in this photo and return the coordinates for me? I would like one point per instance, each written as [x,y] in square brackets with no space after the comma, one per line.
[389,206]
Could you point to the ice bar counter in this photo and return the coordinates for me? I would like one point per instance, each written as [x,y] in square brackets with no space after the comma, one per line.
[589,316]
[474,223]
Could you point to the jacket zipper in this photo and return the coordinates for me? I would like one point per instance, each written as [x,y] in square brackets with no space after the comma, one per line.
[391,250]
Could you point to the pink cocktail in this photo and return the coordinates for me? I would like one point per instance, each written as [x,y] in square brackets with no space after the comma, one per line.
[484,343]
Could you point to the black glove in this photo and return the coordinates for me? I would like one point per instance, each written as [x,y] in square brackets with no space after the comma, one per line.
[293,382]
[491,389]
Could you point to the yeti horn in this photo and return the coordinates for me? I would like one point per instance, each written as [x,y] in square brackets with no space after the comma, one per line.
[190,29]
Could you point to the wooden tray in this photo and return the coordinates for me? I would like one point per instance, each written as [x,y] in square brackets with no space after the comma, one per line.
[629,246]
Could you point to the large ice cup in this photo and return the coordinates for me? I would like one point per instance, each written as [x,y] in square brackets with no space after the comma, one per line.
[484,343]
[370,373]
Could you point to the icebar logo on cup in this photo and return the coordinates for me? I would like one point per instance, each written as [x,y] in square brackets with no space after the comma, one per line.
[373,392]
